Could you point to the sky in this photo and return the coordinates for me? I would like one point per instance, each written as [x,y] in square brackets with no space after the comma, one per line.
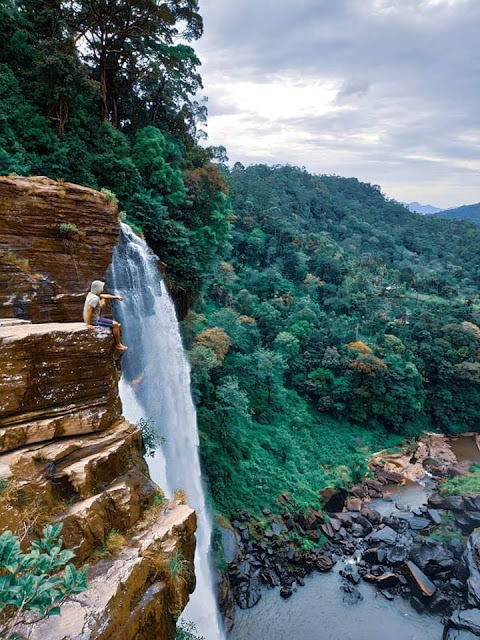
[387,91]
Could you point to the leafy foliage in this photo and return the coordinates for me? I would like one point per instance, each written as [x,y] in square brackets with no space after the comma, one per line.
[151,439]
[102,94]
[34,585]
[352,323]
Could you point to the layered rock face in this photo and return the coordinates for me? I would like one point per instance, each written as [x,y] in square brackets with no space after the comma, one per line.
[55,238]
[55,380]
[67,454]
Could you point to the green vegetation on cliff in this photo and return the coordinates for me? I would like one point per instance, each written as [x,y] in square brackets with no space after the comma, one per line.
[339,322]
[102,94]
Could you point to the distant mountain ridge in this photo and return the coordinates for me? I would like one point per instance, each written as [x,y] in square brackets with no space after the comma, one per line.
[469,212]
[425,209]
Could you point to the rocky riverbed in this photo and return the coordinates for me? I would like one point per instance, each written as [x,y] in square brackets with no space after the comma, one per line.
[394,532]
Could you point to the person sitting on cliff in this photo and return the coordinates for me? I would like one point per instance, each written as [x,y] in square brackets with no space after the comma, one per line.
[94,305]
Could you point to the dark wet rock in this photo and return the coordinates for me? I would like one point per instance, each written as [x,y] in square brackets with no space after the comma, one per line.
[440,603]
[333,499]
[459,634]
[357,530]
[328,530]
[277,528]
[351,573]
[345,519]
[351,593]
[300,581]
[361,520]
[354,504]
[370,555]
[386,580]
[468,620]
[424,584]
[389,476]
[434,516]
[249,594]
[433,558]
[417,604]
[323,562]
[357,491]
[387,595]
[286,592]
[456,547]
[372,515]
[451,503]
[270,577]
[375,485]
[471,557]
[385,534]
[472,502]
[395,555]
[230,544]
[417,523]
[246,535]
[335,524]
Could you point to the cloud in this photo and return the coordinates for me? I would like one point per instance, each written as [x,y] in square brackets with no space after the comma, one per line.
[386,90]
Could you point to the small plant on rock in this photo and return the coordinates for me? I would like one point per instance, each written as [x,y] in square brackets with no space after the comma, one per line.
[151,439]
[68,231]
[109,196]
[34,585]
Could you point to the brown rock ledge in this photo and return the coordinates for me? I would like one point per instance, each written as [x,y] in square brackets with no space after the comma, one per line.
[56,379]
[44,275]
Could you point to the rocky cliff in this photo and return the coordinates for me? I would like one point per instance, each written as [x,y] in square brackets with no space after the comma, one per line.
[66,452]
[55,238]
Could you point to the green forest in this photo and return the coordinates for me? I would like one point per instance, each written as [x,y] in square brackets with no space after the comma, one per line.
[337,322]
[324,321]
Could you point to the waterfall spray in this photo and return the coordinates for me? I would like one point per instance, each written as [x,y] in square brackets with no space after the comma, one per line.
[156,385]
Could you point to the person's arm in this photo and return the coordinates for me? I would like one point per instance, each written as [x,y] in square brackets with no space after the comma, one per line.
[107,296]
[89,318]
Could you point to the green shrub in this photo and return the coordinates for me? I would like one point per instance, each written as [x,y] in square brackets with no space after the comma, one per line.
[151,439]
[187,631]
[462,485]
[109,196]
[35,584]
[68,231]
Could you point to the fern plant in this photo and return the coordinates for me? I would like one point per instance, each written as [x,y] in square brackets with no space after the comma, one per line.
[35,584]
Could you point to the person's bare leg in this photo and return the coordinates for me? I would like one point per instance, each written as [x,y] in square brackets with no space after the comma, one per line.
[117,336]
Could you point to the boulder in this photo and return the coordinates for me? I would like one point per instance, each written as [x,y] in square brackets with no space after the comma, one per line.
[385,534]
[425,585]
[467,619]
[471,557]
[433,558]
[333,499]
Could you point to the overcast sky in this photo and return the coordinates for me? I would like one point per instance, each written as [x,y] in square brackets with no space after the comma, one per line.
[384,90]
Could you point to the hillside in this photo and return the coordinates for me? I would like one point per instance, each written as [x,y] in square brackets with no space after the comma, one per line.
[338,322]
[469,212]
[425,209]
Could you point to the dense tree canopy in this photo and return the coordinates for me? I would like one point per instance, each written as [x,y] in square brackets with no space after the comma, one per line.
[349,318]
[103,93]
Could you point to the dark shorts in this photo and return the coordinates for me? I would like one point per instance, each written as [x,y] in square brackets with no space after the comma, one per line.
[103,322]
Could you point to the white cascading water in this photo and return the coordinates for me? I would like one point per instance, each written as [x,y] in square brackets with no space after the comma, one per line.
[156,385]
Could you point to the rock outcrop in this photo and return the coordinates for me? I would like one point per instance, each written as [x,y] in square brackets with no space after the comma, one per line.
[66,453]
[56,379]
[55,238]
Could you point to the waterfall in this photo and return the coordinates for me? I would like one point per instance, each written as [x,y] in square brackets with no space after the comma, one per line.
[156,385]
